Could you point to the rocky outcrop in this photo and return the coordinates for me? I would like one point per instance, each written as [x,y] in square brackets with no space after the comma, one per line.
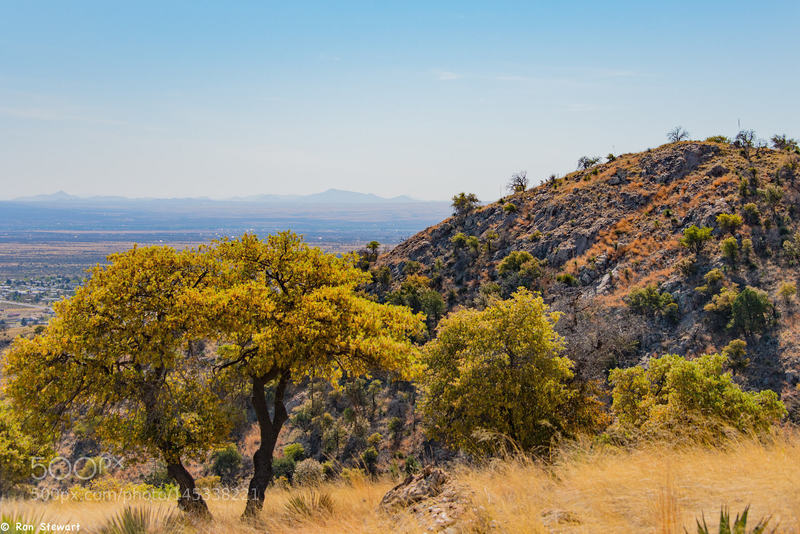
[415,488]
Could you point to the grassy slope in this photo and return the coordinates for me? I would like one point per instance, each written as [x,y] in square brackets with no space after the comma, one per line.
[648,490]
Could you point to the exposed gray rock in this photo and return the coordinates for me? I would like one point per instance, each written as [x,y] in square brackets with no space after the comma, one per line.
[620,177]
[415,488]
[718,170]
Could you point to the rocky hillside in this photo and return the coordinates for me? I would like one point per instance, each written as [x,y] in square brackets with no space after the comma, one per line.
[595,236]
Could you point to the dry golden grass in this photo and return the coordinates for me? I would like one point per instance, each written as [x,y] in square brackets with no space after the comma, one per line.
[654,489]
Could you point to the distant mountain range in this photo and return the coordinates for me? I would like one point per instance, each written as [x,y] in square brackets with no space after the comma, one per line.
[331,196]
[333,215]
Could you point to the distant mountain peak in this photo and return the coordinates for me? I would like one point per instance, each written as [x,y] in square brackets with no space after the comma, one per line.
[58,196]
[329,196]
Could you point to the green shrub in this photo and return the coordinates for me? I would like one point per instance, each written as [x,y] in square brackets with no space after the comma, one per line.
[650,301]
[459,240]
[510,208]
[294,451]
[226,462]
[328,470]
[283,467]
[787,291]
[772,195]
[474,244]
[411,267]
[730,249]
[506,360]
[464,203]
[729,222]
[714,279]
[721,306]
[718,139]
[415,293]
[567,279]
[411,465]
[514,262]
[750,313]
[395,426]
[736,353]
[518,269]
[691,398]
[791,248]
[370,459]
[694,238]
[751,213]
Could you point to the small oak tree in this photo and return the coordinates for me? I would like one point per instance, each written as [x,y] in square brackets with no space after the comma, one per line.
[120,352]
[464,203]
[500,372]
[287,311]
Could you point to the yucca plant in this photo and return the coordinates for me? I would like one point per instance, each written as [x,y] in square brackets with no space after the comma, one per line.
[142,521]
[739,524]
[308,504]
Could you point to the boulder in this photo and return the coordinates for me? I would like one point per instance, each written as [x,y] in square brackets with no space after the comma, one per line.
[619,177]
[415,488]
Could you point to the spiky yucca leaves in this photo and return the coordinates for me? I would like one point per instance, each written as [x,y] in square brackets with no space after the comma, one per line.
[142,521]
[739,524]
[308,504]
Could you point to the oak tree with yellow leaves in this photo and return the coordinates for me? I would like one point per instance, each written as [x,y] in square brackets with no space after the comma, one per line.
[120,353]
[285,311]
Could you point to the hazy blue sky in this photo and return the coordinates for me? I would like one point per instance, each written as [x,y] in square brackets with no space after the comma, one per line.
[423,98]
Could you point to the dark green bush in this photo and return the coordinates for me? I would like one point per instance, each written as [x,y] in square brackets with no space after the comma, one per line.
[751,213]
[283,467]
[751,311]
[225,463]
[650,301]
[729,222]
[695,238]
[567,278]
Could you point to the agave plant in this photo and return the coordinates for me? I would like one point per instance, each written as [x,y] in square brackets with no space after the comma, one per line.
[142,521]
[739,524]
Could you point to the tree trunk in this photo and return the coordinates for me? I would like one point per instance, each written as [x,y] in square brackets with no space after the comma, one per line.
[270,428]
[189,500]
